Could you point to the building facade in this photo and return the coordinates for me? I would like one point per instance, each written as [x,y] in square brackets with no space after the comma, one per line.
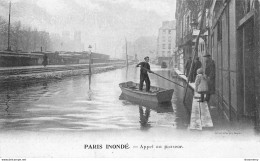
[166,42]
[188,15]
[234,46]
[231,36]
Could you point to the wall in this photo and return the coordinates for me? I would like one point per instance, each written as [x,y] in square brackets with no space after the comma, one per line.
[233,54]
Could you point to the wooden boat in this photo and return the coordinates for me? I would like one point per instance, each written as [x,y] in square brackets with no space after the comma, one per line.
[165,107]
[156,94]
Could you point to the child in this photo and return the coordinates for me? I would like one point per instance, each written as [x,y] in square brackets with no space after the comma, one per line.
[201,84]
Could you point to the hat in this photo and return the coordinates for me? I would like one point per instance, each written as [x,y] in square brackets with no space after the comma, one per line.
[207,55]
[200,71]
[146,57]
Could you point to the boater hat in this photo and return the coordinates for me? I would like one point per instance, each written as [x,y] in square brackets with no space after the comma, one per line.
[146,57]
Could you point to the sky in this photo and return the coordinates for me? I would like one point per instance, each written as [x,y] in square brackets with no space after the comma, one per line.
[105,23]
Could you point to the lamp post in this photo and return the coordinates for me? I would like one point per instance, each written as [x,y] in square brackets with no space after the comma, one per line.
[9,26]
[126,52]
[90,47]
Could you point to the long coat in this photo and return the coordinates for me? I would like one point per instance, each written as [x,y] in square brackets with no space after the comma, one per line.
[187,67]
[201,84]
[210,72]
[45,60]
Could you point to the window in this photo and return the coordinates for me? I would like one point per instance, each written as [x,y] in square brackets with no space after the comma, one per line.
[248,5]
[163,38]
[169,32]
[212,42]
[169,46]
[188,23]
[220,30]
[163,46]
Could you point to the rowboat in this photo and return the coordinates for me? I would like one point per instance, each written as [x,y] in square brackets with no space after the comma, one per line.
[156,95]
[165,107]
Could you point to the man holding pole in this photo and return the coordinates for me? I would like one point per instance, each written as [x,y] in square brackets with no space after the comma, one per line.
[145,67]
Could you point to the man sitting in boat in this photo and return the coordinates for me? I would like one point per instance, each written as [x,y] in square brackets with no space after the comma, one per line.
[145,67]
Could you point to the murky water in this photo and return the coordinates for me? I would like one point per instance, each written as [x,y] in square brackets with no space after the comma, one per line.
[56,118]
[88,103]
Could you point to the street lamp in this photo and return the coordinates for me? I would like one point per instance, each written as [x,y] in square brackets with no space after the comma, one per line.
[90,47]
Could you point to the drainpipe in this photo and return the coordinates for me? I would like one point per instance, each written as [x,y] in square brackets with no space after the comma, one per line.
[229,84]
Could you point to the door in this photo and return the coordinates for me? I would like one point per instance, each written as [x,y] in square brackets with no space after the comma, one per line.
[248,69]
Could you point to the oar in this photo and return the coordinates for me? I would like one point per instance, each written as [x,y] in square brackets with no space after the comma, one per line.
[162,77]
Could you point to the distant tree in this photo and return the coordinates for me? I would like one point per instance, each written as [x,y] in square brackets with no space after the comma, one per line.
[16,36]
[24,38]
[45,41]
[3,34]
[27,36]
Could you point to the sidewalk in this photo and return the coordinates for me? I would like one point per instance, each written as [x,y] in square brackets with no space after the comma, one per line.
[180,74]
[200,113]
[214,115]
[53,66]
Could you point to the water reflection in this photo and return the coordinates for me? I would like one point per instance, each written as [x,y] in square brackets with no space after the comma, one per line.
[7,101]
[158,107]
[89,88]
[126,73]
[145,108]
[144,117]
[45,85]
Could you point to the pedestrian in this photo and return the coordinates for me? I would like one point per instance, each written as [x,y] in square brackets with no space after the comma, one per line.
[201,84]
[187,67]
[210,72]
[45,60]
[196,65]
[145,67]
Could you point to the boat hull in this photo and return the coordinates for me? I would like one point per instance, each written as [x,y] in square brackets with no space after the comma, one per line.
[157,95]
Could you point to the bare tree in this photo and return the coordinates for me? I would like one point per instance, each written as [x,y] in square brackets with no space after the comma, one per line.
[16,36]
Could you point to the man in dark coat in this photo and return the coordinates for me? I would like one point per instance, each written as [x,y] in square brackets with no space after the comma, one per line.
[187,67]
[196,65]
[145,67]
[45,60]
[210,72]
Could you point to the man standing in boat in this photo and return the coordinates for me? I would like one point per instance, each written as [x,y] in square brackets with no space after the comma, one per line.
[145,67]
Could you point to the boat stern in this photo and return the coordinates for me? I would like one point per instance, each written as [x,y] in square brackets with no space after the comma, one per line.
[165,96]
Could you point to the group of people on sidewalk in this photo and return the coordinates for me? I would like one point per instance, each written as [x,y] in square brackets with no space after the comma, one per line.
[192,71]
[204,81]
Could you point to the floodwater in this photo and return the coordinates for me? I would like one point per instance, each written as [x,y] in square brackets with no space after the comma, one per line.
[58,118]
[90,103]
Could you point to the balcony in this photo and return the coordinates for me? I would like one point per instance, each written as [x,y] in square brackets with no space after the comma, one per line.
[187,37]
